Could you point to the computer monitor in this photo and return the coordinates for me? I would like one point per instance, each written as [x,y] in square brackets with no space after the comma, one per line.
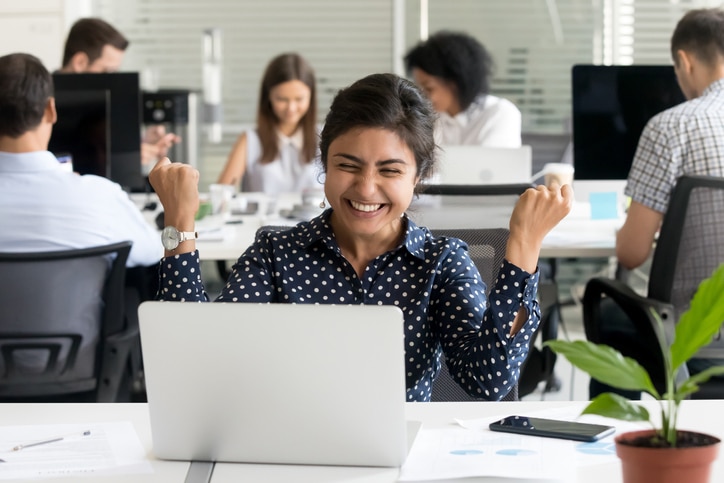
[99,124]
[611,106]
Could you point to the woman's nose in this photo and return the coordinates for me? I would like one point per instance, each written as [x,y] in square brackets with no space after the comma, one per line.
[366,184]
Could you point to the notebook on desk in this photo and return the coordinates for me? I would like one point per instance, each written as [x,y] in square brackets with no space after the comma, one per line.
[275,383]
[471,165]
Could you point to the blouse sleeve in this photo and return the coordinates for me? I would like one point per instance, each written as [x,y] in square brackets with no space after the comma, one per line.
[474,331]
[181,279]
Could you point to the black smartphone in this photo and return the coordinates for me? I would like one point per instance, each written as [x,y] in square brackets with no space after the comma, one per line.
[551,428]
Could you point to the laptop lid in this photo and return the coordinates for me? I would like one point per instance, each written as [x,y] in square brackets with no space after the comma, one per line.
[471,165]
[275,383]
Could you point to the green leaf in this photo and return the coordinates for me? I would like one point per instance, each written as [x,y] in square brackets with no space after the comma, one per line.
[615,406]
[685,389]
[698,325]
[605,364]
[691,385]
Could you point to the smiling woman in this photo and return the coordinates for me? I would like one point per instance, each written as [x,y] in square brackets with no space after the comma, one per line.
[278,156]
[376,147]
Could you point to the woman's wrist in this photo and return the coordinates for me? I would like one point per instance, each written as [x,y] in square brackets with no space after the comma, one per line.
[523,253]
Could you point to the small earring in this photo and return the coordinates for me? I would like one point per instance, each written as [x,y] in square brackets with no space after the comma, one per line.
[322,204]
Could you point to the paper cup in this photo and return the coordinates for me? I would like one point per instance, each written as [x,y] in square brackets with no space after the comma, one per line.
[558,173]
[221,196]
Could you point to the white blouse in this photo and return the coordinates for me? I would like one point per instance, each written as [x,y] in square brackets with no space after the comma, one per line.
[288,173]
[488,121]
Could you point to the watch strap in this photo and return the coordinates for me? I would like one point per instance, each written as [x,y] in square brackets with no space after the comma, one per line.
[187,235]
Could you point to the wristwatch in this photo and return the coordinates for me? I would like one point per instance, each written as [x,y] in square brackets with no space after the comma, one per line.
[172,238]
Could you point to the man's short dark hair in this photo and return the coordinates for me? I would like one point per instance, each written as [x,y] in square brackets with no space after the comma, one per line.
[700,32]
[456,57]
[25,87]
[90,35]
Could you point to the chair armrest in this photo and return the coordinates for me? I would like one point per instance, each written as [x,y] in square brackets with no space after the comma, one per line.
[636,307]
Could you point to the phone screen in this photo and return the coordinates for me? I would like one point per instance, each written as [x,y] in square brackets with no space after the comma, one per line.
[552,428]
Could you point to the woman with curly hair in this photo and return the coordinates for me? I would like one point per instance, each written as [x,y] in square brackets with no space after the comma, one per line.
[453,69]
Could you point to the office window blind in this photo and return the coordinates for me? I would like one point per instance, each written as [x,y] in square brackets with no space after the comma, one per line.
[342,40]
[640,30]
[533,42]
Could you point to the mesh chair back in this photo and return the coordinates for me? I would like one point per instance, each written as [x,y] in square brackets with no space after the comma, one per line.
[487,249]
[56,310]
[690,245]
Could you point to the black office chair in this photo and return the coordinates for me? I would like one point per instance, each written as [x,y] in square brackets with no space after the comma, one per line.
[487,249]
[63,334]
[683,257]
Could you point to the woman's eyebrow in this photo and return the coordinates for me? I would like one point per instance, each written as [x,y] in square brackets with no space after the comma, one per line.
[381,162]
[385,162]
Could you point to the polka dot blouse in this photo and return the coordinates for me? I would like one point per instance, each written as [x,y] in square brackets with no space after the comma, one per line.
[431,279]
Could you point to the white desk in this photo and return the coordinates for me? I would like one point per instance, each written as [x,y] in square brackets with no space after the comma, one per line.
[30,414]
[696,415]
[577,236]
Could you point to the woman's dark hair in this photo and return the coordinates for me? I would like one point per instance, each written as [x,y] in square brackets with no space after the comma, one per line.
[281,69]
[455,57]
[90,35]
[384,101]
[25,87]
[700,32]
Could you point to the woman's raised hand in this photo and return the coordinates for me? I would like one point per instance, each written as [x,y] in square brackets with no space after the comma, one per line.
[177,187]
[536,213]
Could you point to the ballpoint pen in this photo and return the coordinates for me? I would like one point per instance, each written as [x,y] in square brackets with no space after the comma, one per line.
[47,441]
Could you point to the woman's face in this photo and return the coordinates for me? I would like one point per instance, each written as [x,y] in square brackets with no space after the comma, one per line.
[290,102]
[442,93]
[370,181]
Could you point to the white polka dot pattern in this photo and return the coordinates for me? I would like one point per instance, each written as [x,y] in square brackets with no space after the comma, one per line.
[432,280]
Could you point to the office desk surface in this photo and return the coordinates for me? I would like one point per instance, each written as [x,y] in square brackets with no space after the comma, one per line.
[12,414]
[696,415]
[576,236]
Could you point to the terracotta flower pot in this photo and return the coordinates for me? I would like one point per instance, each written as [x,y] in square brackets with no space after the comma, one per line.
[642,464]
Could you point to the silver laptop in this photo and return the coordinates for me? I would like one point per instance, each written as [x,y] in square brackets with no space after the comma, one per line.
[275,383]
[471,165]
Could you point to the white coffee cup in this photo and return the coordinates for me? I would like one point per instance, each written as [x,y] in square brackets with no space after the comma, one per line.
[220,196]
[558,173]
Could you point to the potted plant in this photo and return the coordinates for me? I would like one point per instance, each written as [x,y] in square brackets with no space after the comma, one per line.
[665,445]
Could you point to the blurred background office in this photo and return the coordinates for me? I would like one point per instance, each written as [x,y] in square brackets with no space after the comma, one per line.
[534,44]
[218,49]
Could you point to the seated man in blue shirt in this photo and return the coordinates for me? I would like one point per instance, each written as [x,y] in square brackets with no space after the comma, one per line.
[42,206]
[377,147]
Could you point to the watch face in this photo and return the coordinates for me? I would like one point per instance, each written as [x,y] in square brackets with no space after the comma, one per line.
[170,238]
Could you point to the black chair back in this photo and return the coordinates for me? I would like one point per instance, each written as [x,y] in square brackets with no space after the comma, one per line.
[690,246]
[62,334]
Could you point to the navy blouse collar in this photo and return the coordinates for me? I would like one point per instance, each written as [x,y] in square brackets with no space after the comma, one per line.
[318,229]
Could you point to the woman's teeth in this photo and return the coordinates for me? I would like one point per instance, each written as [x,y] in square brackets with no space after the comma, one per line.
[364,207]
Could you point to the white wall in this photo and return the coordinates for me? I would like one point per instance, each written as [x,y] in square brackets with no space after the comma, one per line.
[38,27]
